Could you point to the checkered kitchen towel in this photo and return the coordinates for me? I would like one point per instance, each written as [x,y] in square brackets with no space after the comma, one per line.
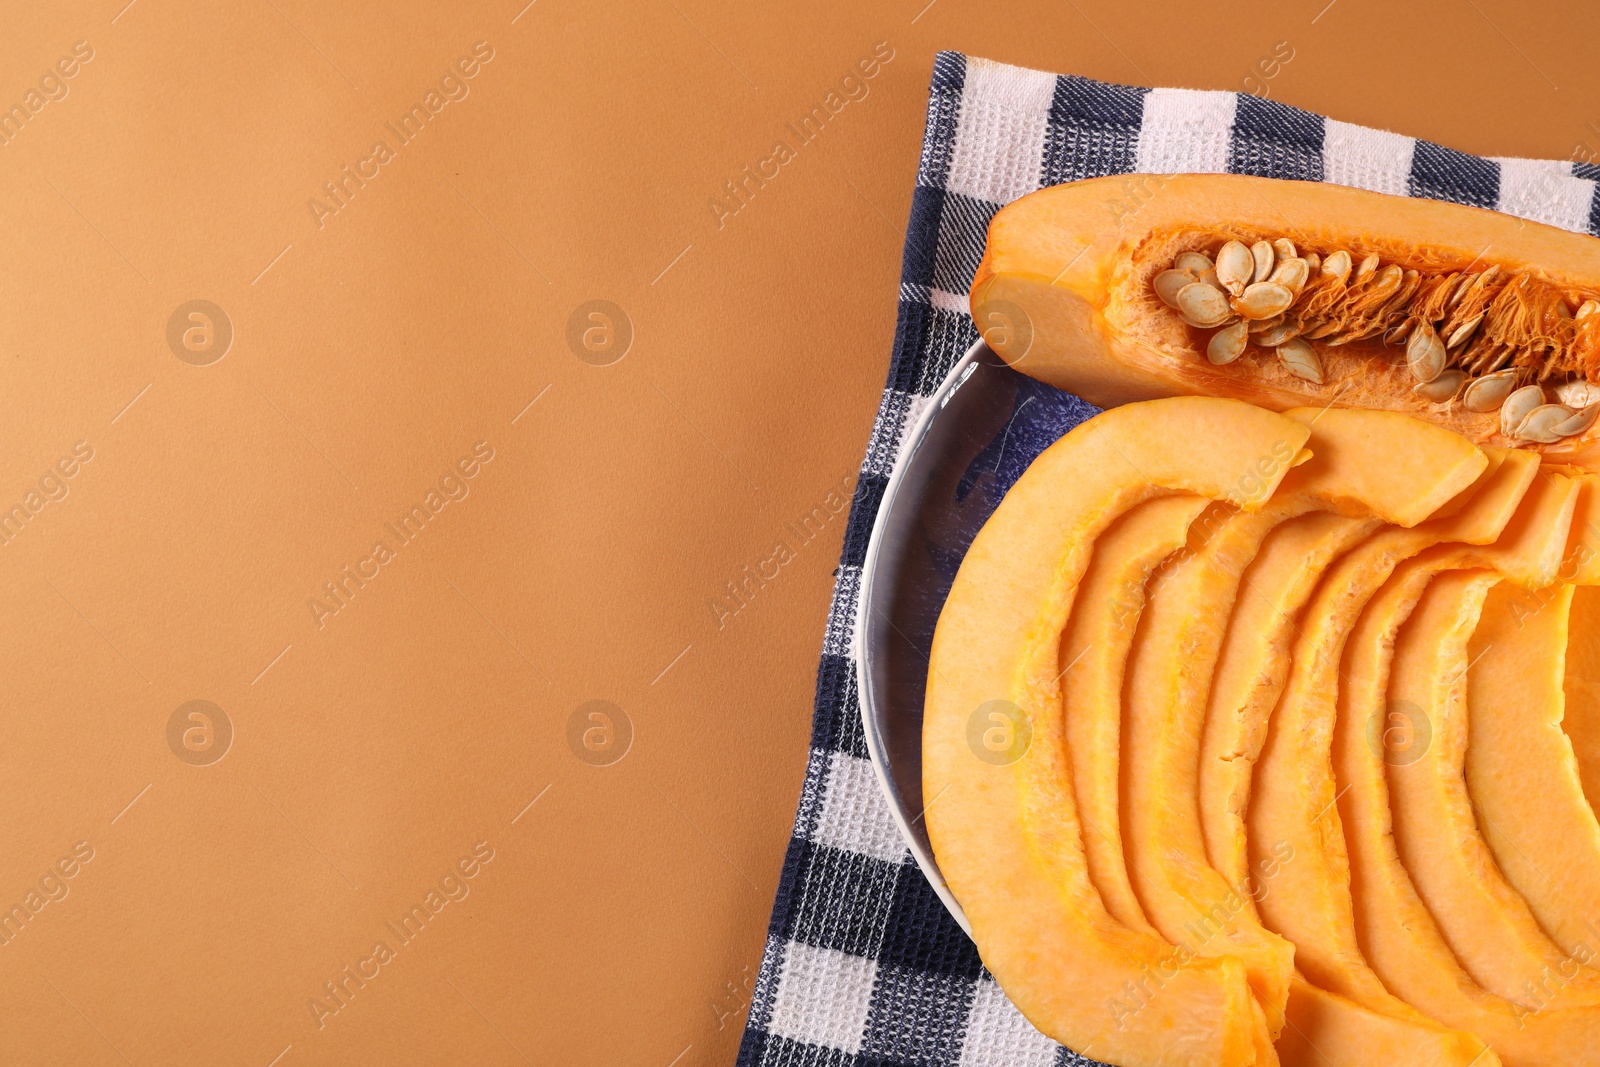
[863,966]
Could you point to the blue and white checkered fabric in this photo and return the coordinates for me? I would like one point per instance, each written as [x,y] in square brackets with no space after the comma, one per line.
[863,966]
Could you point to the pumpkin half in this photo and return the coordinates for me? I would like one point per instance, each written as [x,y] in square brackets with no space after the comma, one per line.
[1286,293]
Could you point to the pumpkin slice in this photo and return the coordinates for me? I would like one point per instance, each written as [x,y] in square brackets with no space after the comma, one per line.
[1306,293]
[1293,793]
[1521,772]
[1251,670]
[1003,818]
[1094,651]
[1369,462]
[1397,933]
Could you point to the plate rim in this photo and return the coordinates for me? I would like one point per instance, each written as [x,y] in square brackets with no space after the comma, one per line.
[916,434]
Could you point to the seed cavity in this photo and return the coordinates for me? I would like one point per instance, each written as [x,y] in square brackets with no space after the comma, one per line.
[1472,335]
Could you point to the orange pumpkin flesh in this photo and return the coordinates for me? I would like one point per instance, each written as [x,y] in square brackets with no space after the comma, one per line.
[1363,462]
[1293,794]
[1398,935]
[1488,924]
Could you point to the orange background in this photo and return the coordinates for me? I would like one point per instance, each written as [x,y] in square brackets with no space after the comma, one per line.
[621,916]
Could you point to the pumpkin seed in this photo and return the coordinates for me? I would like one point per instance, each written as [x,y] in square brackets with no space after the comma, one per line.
[1399,333]
[1337,265]
[1196,263]
[1444,387]
[1540,423]
[1203,304]
[1274,336]
[1365,269]
[1168,282]
[1291,274]
[1386,282]
[1227,344]
[1313,261]
[1425,354]
[1587,308]
[1261,252]
[1517,407]
[1285,248]
[1462,332]
[1579,422]
[1263,300]
[1490,391]
[1300,359]
[1235,267]
[1490,357]
[1578,395]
